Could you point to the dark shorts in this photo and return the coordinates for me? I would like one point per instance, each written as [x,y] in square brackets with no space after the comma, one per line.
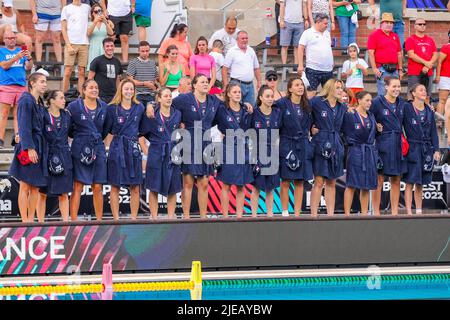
[426,81]
[142,21]
[122,25]
[316,77]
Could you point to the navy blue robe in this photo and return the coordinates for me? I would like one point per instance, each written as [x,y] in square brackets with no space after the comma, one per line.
[362,152]
[86,131]
[188,106]
[423,142]
[57,144]
[294,136]
[31,137]
[124,165]
[234,173]
[329,122]
[259,122]
[161,175]
[389,143]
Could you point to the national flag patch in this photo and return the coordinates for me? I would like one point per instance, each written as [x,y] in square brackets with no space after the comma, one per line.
[258,125]
[120,119]
[160,129]
[414,121]
[386,112]
[357,126]
[229,119]
[324,114]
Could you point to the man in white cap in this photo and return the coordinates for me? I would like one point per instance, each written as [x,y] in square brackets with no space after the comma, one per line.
[385,52]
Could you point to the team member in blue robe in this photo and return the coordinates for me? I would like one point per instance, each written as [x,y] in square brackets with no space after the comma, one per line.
[359,132]
[163,173]
[57,123]
[328,162]
[232,116]
[421,133]
[30,148]
[388,111]
[124,162]
[88,150]
[198,110]
[265,120]
[296,150]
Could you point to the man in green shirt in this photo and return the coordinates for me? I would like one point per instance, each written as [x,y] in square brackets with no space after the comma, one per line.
[397,8]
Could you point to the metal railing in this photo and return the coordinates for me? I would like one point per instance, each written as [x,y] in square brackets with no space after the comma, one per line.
[228,4]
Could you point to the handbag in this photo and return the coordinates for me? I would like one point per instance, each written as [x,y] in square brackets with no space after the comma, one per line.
[24,158]
[405,146]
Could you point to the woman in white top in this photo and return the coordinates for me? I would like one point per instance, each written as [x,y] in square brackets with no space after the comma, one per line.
[12,20]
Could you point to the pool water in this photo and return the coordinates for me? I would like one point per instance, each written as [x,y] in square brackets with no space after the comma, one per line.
[293,289]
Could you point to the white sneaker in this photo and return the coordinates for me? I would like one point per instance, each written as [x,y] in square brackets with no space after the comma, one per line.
[285,213]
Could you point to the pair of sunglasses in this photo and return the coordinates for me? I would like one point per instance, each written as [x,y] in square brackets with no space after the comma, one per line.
[272,79]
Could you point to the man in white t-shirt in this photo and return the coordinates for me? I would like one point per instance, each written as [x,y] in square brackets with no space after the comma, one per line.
[120,13]
[243,65]
[227,35]
[319,55]
[293,21]
[74,23]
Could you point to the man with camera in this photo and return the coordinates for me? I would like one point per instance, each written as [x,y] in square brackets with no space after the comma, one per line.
[14,62]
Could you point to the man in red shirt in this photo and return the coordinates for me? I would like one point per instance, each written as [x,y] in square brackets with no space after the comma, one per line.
[422,55]
[385,52]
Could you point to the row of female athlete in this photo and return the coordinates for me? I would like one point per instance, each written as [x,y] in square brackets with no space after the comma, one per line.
[310,147]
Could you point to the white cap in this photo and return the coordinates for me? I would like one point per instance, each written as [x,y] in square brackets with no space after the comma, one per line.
[353,44]
[446,173]
[43,71]
[8,3]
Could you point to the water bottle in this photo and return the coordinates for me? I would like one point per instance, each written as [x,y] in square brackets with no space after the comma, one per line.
[268,15]
[267,39]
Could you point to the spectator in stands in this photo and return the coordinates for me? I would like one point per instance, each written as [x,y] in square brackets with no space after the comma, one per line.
[443,76]
[293,21]
[184,86]
[219,59]
[106,70]
[344,12]
[324,7]
[242,62]
[144,74]
[171,71]
[13,17]
[319,56]
[143,17]
[178,39]
[397,9]
[227,35]
[120,13]
[277,19]
[14,62]
[46,16]
[354,69]
[385,52]
[99,28]
[272,83]
[202,63]
[447,122]
[422,55]
[74,21]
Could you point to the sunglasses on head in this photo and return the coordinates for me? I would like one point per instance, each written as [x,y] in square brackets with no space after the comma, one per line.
[97,11]
[272,79]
